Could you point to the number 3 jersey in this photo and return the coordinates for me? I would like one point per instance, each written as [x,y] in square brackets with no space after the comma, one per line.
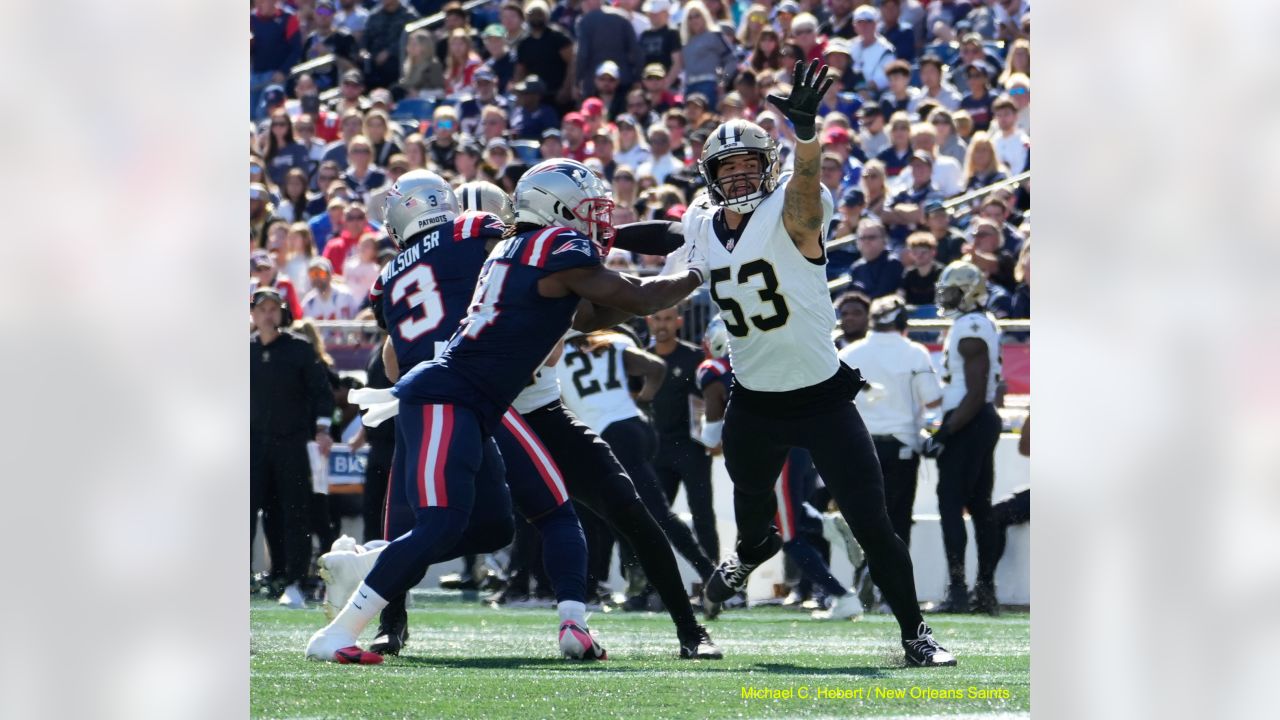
[509,330]
[426,289]
[774,301]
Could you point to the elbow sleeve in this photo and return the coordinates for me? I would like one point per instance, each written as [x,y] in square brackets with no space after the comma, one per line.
[652,237]
[711,433]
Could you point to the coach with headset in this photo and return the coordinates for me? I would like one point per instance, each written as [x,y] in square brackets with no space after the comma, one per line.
[289,404]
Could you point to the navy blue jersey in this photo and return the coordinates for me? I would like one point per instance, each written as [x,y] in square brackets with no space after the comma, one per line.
[509,329]
[715,370]
[426,289]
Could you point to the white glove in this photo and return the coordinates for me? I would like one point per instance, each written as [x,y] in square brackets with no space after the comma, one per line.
[379,402]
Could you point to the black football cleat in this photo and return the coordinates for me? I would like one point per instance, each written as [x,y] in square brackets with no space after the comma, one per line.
[390,640]
[924,651]
[731,576]
[984,600]
[696,644]
[957,600]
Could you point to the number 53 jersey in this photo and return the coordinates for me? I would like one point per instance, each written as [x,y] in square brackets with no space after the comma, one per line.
[773,300]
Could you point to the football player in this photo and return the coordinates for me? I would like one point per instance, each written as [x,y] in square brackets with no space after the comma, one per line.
[798,522]
[529,290]
[965,444]
[763,239]
[420,298]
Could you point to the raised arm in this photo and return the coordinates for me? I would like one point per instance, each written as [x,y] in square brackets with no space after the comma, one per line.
[802,213]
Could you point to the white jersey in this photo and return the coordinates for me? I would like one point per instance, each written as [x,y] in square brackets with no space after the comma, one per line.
[543,389]
[774,301]
[594,385]
[976,324]
[902,383]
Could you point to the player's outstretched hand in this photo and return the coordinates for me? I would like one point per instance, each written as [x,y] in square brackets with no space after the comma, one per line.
[801,106]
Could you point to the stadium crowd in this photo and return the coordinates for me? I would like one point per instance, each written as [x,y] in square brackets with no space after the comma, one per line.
[925,133]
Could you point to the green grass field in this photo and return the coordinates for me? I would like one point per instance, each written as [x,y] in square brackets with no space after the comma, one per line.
[465,660]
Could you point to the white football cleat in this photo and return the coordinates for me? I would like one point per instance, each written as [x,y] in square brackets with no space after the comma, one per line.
[342,573]
[577,643]
[330,644]
[846,607]
[345,543]
[292,598]
[835,530]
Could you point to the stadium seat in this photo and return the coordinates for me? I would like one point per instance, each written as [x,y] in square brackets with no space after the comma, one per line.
[526,151]
[413,109]
[948,52]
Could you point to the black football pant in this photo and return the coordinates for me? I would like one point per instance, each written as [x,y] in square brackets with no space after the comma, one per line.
[279,469]
[596,479]
[966,474]
[1013,509]
[681,460]
[377,477]
[634,442]
[755,449]
[900,481]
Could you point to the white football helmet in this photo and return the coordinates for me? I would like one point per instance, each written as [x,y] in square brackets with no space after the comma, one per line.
[737,137]
[566,193]
[716,337]
[420,199]
[487,197]
[961,288]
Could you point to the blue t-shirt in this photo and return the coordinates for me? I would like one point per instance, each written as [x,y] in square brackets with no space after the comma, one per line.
[882,276]
[425,290]
[510,328]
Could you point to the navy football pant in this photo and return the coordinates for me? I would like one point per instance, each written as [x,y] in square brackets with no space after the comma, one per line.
[755,449]
[799,523]
[596,479]
[634,442]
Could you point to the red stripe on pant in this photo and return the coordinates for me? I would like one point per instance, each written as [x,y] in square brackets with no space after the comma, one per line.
[538,454]
[785,511]
[433,454]
[446,435]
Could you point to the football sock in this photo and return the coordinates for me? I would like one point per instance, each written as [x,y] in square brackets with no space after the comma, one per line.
[405,561]
[806,557]
[363,606]
[573,610]
[564,554]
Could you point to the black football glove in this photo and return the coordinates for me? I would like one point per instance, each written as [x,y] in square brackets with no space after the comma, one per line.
[801,107]
[934,444]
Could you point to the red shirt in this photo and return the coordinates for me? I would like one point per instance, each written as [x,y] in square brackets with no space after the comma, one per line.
[340,245]
[328,126]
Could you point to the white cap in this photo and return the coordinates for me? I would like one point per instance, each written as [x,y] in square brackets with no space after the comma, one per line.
[866,12]
[656,6]
[610,68]
[537,4]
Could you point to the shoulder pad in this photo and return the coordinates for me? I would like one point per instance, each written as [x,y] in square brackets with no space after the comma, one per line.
[557,248]
[475,224]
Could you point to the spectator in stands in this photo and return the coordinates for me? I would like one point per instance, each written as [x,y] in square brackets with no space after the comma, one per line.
[950,242]
[904,213]
[964,124]
[632,151]
[327,299]
[787,10]
[502,61]
[766,55]
[661,43]
[875,273]
[377,127]
[832,170]
[624,187]
[362,176]
[327,38]
[355,224]
[921,268]
[1018,88]
[497,153]
[662,163]
[995,208]
[639,107]
[873,138]
[934,87]
[708,58]
[352,125]
[607,91]
[466,162]
[422,74]
[275,45]
[900,96]
[362,268]
[493,124]
[1020,307]
[840,61]
[350,94]
[948,141]
[511,16]
[328,223]
[871,52]
[852,310]
[455,18]
[547,52]
[293,202]
[396,166]
[532,116]
[605,34]
[804,34]
[900,34]
[839,22]
[574,129]
[382,35]
[283,151]
[948,175]
[897,156]
[978,100]
[654,86]
[265,274]
[304,131]
[1017,61]
[443,144]
[460,63]
[261,210]
[999,301]
[299,248]
[352,17]
[874,188]
[1013,147]
[982,166]
[415,151]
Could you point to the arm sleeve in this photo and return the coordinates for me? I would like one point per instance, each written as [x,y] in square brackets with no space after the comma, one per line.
[653,237]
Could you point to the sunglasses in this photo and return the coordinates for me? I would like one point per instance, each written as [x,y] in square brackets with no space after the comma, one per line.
[355,218]
[360,151]
[1018,91]
[805,31]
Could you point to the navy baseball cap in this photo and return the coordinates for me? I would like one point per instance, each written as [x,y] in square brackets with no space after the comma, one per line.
[933,206]
[853,197]
[273,95]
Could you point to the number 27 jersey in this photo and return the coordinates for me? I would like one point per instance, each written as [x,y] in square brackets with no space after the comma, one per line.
[774,301]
